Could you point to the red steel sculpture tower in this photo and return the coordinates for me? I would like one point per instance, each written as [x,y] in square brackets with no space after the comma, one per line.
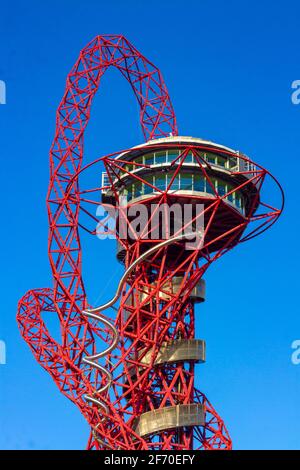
[129,365]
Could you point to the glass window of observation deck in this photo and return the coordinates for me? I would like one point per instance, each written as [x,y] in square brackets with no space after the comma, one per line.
[233,163]
[137,189]
[148,189]
[186,181]
[210,158]
[129,192]
[160,158]
[230,197]
[221,161]
[189,158]
[149,159]
[175,183]
[221,188]
[210,186]
[199,183]
[172,155]
[238,201]
[160,182]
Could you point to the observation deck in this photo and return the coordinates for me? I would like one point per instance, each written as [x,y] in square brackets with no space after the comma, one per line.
[187,170]
[155,163]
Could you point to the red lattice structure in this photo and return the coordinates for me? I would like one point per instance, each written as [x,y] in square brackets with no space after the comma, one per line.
[132,373]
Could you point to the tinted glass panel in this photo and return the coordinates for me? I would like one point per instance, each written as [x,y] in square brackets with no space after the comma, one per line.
[175,183]
[238,201]
[186,181]
[232,162]
[199,183]
[221,188]
[148,189]
[172,154]
[138,160]
[210,186]
[160,158]
[221,161]
[189,158]
[129,192]
[231,197]
[210,158]
[137,189]
[160,182]
[149,159]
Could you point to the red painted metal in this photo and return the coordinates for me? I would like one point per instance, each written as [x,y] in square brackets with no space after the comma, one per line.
[135,386]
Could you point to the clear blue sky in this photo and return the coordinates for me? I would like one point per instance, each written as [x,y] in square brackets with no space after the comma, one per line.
[229,68]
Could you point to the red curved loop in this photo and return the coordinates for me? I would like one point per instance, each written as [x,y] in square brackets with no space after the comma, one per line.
[157,119]
[48,352]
